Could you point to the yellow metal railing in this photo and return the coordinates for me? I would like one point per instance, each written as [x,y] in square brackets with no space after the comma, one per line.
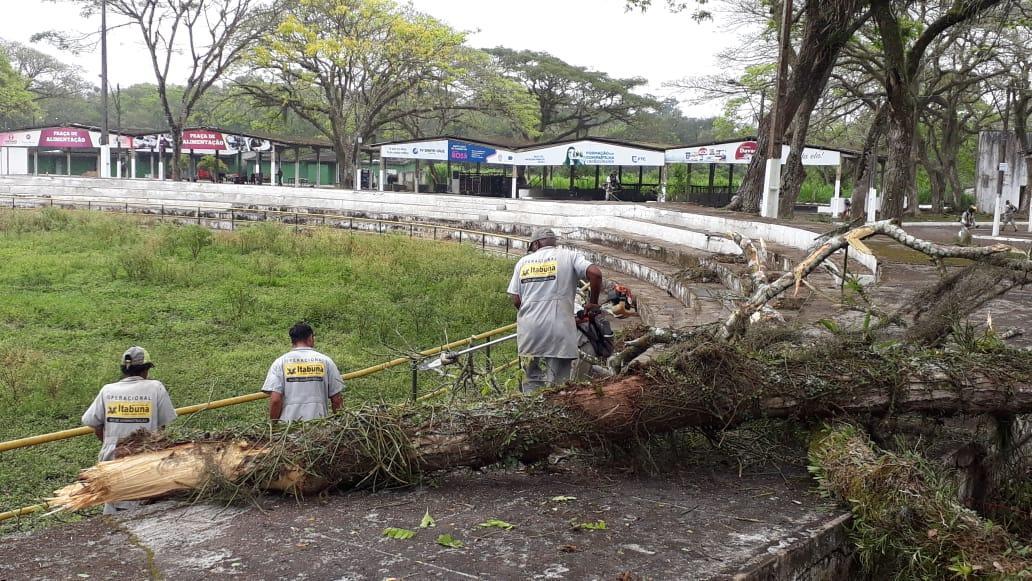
[193,409]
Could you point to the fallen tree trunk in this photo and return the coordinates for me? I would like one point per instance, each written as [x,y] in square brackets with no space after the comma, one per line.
[702,383]
[904,525]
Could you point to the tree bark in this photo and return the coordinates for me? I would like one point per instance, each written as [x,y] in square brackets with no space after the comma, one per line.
[828,27]
[867,164]
[706,384]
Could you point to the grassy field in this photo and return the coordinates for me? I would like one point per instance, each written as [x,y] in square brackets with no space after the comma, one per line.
[213,310]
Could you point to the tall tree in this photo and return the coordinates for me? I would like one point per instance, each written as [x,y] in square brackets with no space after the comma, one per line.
[572,100]
[46,77]
[345,66]
[902,62]
[15,100]
[204,38]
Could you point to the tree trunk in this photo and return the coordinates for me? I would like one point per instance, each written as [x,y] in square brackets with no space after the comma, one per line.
[793,173]
[867,164]
[704,384]
[899,171]
[1021,115]
[828,27]
[177,151]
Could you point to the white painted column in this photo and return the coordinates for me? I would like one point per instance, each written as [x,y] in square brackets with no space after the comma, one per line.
[836,202]
[132,165]
[297,167]
[68,160]
[272,165]
[383,173]
[771,189]
[415,182]
[161,167]
[514,193]
[35,166]
[661,197]
[104,167]
[358,177]
[872,203]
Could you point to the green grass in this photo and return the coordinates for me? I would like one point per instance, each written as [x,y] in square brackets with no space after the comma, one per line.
[213,309]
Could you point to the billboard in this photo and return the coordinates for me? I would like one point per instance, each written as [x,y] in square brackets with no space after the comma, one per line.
[741,153]
[203,142]
[466,152]
[590,153]
[436,150]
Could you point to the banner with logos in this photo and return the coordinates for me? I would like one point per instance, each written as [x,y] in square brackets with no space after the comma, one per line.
[589,152]
[436,150]
[464,151]
[203,142]
[61,138]
[741,152]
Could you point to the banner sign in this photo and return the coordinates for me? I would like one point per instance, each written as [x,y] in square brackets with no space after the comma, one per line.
[590,153]
[741,152]
[19,139]
[463,151]
[65,138]
[431,150]
[203,142]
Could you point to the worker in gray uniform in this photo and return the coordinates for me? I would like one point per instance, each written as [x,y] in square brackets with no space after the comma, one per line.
[127,406]
[301,381]
[543,288]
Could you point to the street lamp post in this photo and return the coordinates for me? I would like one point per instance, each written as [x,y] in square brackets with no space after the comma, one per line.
[104,169]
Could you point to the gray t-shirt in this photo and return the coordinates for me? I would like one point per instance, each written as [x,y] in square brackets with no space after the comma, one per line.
[546,282]
[128,406]
[306,378]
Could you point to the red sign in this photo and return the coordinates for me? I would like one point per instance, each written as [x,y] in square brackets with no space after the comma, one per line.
[201,139]
[65,137]
[746,150]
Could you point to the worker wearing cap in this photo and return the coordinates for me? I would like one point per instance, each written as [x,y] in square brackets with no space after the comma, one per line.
[543,287]
[122,408]
[301,381]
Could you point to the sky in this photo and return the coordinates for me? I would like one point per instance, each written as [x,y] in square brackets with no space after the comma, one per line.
[598,34]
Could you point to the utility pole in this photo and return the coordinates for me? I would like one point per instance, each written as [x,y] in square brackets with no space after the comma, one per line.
[105,150]
[772,175]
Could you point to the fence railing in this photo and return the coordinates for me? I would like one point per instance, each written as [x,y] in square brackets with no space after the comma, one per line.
[232,218]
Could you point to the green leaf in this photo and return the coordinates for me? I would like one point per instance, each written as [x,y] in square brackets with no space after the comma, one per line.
[450,542]
[501,524]
[599,525]
[428,521]
[400,534]
[563,498]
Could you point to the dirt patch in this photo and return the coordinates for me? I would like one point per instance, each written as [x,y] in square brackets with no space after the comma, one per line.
[699,522]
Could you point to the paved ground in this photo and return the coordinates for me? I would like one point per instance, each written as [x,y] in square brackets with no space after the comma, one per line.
[694,524]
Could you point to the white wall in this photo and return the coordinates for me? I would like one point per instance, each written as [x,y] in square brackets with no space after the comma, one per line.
[15,161]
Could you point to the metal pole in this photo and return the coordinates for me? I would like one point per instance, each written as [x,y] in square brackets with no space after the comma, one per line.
[415,380]
[103,75]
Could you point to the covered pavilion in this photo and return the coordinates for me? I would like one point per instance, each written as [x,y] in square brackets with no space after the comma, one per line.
[596,152]
[470,156]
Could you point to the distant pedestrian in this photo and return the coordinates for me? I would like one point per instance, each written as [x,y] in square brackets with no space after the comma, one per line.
[279,176]
[1009,210]
[967,219]
[127,406]
[301,381]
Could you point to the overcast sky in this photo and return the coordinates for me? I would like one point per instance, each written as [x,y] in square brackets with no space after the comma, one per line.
[594,33]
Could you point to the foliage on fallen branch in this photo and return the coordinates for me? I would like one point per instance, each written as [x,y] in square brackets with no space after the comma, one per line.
[700,383]
[906,521]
